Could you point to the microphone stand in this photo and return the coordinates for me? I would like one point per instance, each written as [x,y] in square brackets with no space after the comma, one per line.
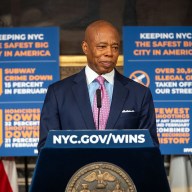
[98,94]
[98,117]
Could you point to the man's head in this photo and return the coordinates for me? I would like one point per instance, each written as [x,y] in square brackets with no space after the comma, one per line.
[101,46]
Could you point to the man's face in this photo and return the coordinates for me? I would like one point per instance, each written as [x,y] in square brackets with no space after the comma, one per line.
[102,49]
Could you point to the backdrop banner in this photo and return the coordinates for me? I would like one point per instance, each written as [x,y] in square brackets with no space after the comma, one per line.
[29,62]
[160,58]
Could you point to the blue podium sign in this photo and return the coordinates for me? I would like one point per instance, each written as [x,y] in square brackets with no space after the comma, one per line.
[99,139]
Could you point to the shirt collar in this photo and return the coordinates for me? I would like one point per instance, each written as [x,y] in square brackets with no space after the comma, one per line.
[92,75]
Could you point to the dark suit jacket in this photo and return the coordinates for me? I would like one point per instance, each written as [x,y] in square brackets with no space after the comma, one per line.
[67,106]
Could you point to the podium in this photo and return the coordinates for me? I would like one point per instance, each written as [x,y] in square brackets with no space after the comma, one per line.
[65,152]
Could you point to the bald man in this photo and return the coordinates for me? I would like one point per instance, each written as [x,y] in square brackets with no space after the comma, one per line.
[69,103]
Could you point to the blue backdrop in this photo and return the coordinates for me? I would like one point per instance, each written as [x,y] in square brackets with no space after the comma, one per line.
[160,58]
[29,62]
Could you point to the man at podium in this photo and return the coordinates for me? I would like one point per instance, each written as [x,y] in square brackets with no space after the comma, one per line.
[98,97]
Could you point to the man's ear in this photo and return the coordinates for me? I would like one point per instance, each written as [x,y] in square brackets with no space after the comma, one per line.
[84,47]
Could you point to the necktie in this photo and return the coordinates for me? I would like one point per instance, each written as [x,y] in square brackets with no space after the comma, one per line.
[105,107]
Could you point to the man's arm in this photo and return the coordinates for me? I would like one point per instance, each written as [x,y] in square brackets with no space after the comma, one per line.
[49,116]
[147,117]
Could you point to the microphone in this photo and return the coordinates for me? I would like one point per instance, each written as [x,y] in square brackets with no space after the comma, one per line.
[98,97]
[98,94]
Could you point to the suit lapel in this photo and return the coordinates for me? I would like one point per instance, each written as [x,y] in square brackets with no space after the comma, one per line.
[120,93]
[81,94]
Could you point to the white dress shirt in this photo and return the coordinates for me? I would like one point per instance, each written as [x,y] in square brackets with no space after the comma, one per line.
[93,84]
